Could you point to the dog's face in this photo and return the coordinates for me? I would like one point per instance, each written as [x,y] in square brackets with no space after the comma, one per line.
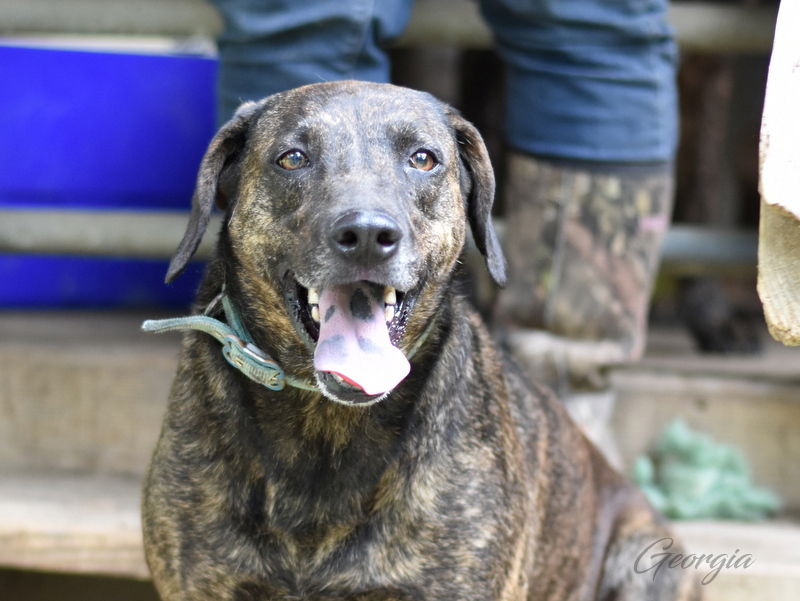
[347,206]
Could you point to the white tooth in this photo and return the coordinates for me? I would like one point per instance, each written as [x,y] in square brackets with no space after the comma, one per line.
[315,313]
[388,312]
[390,296]
[313,296]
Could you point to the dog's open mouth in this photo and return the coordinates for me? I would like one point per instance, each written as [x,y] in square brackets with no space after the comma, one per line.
[355,329]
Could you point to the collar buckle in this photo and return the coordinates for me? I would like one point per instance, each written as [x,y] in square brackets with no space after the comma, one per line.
[253,362]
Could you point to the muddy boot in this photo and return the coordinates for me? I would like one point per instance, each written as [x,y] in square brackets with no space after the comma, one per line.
[582,242]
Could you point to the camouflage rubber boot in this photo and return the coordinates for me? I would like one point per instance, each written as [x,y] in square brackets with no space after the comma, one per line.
[583,245]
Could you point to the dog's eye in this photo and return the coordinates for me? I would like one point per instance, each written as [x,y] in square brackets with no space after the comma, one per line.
[423,160]
[292,159]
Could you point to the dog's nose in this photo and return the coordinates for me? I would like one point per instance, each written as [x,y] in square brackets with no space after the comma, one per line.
[365,237]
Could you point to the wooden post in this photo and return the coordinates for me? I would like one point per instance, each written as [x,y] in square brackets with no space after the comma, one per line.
[779,229]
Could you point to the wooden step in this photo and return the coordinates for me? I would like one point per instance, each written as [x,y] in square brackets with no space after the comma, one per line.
[81,391]
[86,392]
[774,548]
[71,523]
[91,525]
[752,402]
[82,397]
[699,26]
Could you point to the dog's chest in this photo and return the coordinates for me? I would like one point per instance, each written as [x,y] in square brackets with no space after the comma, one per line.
[393,534]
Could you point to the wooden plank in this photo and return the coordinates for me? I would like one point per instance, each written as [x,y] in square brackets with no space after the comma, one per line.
[81,392]
[774,573]
[779,229]
[143,17]
[759,417]
[699,26]
[69,523]
[90,525]
[780,127]
[101,233]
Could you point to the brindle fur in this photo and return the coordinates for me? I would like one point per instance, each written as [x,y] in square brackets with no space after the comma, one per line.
[465,483]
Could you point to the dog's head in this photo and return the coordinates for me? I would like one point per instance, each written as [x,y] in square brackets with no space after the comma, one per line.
[346,210]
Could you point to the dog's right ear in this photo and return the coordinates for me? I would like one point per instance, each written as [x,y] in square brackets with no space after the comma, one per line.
[227,141]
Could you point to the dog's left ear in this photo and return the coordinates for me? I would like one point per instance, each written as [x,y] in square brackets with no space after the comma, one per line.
[478,185]
[211,183]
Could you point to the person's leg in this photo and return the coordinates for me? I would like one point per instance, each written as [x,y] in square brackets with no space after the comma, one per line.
[592,124]
[272,45]
[591,80]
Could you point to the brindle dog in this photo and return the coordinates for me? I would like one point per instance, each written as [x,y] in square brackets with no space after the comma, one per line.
[457,481]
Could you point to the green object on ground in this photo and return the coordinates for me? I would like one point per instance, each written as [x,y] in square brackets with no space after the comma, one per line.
[689,476]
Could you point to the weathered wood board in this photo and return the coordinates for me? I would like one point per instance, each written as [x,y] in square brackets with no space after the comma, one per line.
[779,230]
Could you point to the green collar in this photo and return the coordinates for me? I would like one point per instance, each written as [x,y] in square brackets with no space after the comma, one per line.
[238,347]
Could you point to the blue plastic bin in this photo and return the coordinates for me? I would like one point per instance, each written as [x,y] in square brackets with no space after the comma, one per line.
[85,129]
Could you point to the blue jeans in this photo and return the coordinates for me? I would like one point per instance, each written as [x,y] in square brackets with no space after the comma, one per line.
[590,80]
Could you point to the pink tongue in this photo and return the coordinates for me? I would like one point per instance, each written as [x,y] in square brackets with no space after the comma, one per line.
[354,339]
